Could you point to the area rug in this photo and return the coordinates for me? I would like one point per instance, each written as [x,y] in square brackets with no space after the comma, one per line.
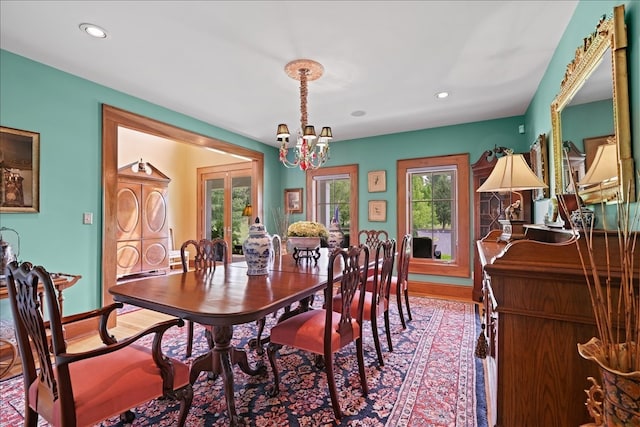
[430,379]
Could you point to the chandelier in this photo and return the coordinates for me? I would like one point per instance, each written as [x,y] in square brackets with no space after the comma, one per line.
[310,151]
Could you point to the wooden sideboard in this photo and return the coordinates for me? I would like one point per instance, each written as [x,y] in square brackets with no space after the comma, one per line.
[537,309]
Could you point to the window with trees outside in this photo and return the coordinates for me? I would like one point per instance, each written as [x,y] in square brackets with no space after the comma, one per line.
[433,206]
[331,190]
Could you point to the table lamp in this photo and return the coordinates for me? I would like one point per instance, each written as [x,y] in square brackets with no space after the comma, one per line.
[604,168]
[511,174]
[248,212]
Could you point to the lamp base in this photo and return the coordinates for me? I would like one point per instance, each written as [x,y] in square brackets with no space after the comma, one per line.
[511,230]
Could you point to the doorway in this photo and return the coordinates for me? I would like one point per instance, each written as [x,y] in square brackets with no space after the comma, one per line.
[114,118]
[227,204]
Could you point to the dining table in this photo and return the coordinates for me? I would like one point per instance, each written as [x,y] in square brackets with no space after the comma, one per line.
[228,296]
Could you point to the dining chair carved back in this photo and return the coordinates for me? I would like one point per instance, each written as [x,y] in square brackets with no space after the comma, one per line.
[372,238]
[324,331]
[276,254]
[84,388]
[207,255]
[400,282]
[376,300]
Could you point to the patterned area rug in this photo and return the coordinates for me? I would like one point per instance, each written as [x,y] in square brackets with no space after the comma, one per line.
[430,379]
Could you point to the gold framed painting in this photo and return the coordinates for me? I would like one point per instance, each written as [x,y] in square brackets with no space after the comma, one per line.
[377,210]
[19,171]
[293,200]
[377,181]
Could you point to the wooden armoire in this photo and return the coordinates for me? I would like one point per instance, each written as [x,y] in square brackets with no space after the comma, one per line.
[142,229]
[489,207]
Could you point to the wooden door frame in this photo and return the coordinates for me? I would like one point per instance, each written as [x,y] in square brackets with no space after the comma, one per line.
[112,119]
[352,172]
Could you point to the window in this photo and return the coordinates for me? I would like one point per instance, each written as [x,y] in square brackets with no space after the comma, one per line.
[433,206]
[330,189]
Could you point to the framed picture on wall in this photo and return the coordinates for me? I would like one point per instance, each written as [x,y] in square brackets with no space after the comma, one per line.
[540,165]
[377,181]
[19,170]
[378,210]
[293,200]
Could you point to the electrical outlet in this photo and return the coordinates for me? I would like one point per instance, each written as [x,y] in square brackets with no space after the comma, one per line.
[87,218]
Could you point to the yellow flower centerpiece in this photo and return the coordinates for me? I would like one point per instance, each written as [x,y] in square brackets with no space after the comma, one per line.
[306,234]
[307,229]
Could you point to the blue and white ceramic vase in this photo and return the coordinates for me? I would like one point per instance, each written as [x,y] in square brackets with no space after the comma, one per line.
[583,218]
[257,249]
[336,236]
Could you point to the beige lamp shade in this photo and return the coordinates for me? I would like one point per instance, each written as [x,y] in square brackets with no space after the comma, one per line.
[604,168]
[511,173]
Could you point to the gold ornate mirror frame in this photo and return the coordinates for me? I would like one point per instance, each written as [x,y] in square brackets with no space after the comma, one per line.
[609,33]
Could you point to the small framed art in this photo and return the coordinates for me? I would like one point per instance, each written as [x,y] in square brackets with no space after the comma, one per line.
[378,210]
[377,181]
[19,170]
[293,200]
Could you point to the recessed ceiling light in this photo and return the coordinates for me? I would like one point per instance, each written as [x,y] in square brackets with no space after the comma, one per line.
[358,113]
[94,31]
[442,95]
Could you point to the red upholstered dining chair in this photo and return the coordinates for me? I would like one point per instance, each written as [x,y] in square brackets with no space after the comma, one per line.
[376,300]
[324,331]
[399,282]
[84,388]
[372,239]
[207,254]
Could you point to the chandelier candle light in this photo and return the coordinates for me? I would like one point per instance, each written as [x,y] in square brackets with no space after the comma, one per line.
[310,151]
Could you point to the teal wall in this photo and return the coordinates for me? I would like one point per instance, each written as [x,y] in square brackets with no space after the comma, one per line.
[66,110]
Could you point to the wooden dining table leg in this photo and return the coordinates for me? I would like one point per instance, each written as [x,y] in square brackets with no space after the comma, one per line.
[222,364]
[220,360]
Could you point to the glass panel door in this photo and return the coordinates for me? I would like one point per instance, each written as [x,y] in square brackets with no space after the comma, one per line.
[214,209]
[227,197]
[240,199]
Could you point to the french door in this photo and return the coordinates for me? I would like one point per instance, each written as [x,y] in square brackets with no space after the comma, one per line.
[225,194]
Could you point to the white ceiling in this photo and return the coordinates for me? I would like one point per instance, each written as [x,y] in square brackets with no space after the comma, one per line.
[223,61]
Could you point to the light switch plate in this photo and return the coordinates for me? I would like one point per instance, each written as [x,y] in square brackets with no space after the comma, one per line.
[87,218]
